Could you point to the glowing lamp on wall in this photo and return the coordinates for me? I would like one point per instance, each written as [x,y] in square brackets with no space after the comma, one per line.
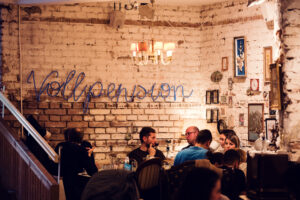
[154,51]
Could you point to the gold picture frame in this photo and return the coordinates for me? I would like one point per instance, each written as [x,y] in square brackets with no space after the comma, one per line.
[275,93]
[268,59]
[224,63]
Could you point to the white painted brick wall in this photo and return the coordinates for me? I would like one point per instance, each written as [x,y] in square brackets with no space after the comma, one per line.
[103,54]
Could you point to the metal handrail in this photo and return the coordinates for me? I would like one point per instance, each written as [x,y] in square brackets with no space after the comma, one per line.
[38,138]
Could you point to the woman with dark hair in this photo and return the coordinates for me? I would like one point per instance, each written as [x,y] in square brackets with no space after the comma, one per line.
[201,183]
[111,185]
[232,142]
[74,160]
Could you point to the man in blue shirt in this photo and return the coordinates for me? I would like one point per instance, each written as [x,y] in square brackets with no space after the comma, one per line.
[196,152]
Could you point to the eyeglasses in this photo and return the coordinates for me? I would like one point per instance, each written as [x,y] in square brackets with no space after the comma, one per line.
[189,133]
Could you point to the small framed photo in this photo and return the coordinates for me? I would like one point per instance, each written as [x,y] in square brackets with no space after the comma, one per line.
[208,116]
[230,102]
[215,96]
[215,115]
[240,57]
[270,125]
[223,99]
[224,63]
[223,111]
[241,119]
[267,61]
[254,84]
[255,120]
[208,97]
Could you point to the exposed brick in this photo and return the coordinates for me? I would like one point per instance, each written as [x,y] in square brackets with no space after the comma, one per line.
[121,112]
[99,105]
[122,130]
[55,124]
[111,130]
[76,118]
[143,123]
[66,105]
[88,118]
[154,111]
[75,112]
[98,124]
[56,111]
[54,118]
[99,118]
[43,105]
[131,117]
[110,117]
[78,105]
[99,130]
[120,124]
[163,123]
[77,124]
[54,105]
[43,117]
[100,111]
[153,117]
[121,118]
[66,118]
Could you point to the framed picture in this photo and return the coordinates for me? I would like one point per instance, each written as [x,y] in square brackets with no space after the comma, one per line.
[267,61]
[222,111]
[224,63]
[255,120]
[275,93]
[215,115]
[240,57]
[254,84]
[230,101]
[215,96]
[208,97]
[208,116]
[223,99]
[270,124]
[241,119]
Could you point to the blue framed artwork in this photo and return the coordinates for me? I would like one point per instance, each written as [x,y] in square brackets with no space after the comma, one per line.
[240,57]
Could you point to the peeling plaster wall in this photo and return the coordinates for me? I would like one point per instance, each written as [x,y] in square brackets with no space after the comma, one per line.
[291,70]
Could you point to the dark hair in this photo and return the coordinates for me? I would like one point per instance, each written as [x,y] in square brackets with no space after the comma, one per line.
[234,139]
[231,156]
[204,136]
[111,185]
[228,132]
[198,184]
[146,132]
[73,135]
[216,157]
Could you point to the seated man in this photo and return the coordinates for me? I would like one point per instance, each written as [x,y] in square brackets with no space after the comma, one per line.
[191,135]
[148,142]
[196,152]
[233,180]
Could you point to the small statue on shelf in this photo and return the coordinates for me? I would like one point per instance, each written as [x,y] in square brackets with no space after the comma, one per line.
[275,134]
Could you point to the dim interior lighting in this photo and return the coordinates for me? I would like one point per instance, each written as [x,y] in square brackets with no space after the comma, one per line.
[254,2]
[154,52]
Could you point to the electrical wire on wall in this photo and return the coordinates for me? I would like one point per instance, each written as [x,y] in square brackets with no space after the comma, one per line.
[20,65]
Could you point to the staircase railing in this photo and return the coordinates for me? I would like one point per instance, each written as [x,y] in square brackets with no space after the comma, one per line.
[38,138]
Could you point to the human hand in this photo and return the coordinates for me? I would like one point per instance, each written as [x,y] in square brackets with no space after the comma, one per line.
[90,150]
[151,151]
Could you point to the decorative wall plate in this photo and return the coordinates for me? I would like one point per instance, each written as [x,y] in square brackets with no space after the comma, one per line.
[216,76]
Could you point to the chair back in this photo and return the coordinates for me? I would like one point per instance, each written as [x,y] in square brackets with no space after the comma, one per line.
[148,173]
[176,176]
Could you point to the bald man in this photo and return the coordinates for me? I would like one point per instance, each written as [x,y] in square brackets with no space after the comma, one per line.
[191,135]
